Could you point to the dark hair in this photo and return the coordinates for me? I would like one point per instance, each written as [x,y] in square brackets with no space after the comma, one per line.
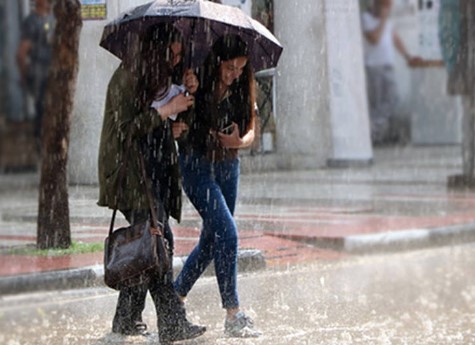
[152,66]
[227,48]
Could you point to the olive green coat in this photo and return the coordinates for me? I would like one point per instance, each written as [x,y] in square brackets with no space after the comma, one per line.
[124,117]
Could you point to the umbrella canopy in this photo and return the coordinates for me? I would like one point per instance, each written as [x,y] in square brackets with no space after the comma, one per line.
[201,24]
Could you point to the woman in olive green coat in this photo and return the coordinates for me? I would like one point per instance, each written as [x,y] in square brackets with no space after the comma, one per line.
[129,113]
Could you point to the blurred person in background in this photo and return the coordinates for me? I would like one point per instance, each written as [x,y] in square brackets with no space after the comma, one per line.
[34,57]
[381,40]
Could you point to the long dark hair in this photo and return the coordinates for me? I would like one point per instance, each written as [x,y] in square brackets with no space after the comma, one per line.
[243,89]
[152,67]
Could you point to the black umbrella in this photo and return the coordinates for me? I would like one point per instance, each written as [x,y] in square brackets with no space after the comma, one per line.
[200,22]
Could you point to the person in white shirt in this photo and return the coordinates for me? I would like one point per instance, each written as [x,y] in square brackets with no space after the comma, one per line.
[381,40]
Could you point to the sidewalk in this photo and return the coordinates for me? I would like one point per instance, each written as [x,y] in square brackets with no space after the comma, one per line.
[401,202]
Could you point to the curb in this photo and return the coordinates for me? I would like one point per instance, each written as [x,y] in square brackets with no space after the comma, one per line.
[409,239]
[249,260]
[391,241]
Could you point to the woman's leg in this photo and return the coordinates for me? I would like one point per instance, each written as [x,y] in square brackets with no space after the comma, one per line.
[196,263]
[128,315]
[218,239]
[227,178]
[213,192]
[170,309]
[131,302]
[237,324]
[171,315]
[197,179]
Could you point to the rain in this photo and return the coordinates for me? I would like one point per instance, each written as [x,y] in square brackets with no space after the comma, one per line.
[353,204]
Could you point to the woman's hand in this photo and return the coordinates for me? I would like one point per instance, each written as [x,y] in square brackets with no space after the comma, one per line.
[178,128]
[190,80]
[177,104]
[233,140]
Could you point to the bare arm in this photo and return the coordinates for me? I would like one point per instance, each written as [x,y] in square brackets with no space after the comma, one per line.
[401,48]
[248,138]
[413,61]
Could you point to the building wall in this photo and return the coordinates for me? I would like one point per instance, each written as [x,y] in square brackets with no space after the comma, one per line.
[348,97]
[321,100]
[95,69]
[303,124]
[96,66]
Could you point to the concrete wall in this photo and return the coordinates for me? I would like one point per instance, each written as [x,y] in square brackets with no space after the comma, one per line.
[321,100]
[95,69]
[303,125]
[351,144]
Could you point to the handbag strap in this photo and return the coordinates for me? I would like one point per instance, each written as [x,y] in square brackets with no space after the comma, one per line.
[120,178]
[153,214]
[153,210]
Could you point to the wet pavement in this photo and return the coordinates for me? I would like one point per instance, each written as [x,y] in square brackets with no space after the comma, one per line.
[415,297]
[400,202]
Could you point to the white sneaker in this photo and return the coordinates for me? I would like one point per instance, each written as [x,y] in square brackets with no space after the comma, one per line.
[241,326]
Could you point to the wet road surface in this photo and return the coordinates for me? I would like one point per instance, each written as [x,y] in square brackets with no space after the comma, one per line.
[417,297]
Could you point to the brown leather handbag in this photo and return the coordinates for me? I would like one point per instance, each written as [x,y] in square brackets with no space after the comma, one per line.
[135,254]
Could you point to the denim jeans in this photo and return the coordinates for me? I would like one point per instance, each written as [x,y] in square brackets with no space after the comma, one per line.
[212,189]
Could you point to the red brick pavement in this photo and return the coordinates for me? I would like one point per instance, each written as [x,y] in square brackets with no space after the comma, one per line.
[280,242]
[277,251]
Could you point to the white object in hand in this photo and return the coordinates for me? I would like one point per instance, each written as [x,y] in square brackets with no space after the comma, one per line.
[172,92]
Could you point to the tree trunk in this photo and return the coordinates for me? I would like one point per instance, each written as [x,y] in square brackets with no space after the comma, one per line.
[53,211]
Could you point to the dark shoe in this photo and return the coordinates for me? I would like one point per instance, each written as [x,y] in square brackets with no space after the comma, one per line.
[183,332]
[140,328]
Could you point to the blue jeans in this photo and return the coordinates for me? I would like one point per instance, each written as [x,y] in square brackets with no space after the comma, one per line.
[212,189]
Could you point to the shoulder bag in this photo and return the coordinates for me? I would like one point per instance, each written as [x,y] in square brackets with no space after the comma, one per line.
[135,254]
